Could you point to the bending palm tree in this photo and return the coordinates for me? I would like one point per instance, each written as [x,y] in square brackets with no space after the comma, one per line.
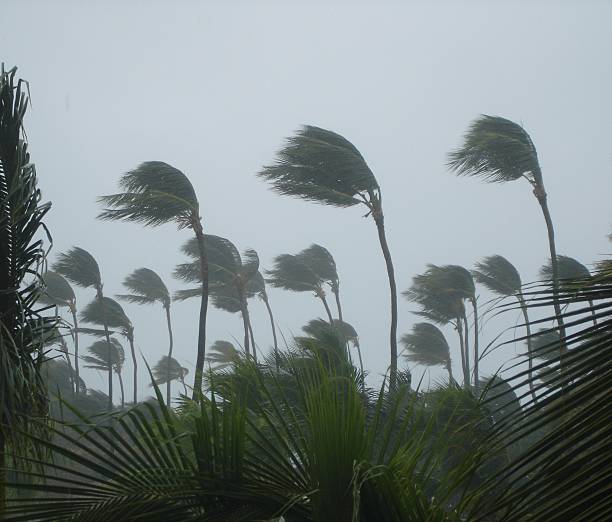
[427,346]
[157,193]
[229,277]
[109,312]
[167,370]
[107,357]
[58,292]
[291,272]
[572,275]
[147,287]
[321,166]
[257,286]
[499,150]
[501,277]
[322,263]
[79,267]
[222,354]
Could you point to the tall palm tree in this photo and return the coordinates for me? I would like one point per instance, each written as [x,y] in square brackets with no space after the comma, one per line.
[156,193]
[572,275]
[441,292]
[109,312]
[322,263]
[58,292]
[80,267]
[427,346]
[291,272]
[498,151]
[168,369]
[146,287]
[222,354]
[257,286]
[107,358]
[501,277]
[322,166]
[229,276]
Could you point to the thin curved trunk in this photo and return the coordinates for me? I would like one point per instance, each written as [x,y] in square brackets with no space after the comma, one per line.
[76,345]
[327,309]
[135,374]
[121,387]
[449,369]
[199,369]
[245,324]
[100,296]
[476,354]
[360,366]
[380,227]
[466,375]
[336,292]
[184,385]
[73,382]
[265,300]
[252,337]
[170,337]
[466,332]
[523,306]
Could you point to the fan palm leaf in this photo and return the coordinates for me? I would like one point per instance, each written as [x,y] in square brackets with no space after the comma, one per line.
[156,193]
[427,346]
[107,357]
[321,166]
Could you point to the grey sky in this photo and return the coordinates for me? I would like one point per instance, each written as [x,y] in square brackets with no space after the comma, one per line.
[213,88]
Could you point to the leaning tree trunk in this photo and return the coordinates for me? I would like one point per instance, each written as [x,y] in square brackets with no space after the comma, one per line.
[265,300]
[380,226]
[134,363]
[467,349]
[100,296]
[449,369]
[252,337]
[170,337]
[199,369]
[466,372]
[76,344]
[321,295]
[336,292]
[121,387]
[476,354]
[523,306]
[245,325]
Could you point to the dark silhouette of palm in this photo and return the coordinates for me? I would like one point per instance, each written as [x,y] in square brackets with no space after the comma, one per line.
[146,287]
[156,193]
[427,346]
[168,369]
[321,166]
[107,357]
[109,312]
[498,151]
[80,267]
[222,354]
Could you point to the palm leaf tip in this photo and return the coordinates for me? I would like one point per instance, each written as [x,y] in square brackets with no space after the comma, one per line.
[154,193]
[321,166]
[498,275]
[496,150]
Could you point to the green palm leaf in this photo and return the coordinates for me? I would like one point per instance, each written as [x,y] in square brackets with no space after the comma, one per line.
[426,345]
[57,290]
[146,287]
[498,275]
[79,267]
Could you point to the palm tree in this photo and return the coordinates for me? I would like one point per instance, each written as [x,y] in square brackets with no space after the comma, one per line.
[55,338]
[58,292]
[321,166]
[572,275]
[222,354]
[80,267]
[501,277]
[107,358]
[156,193]
[441,292]
[427,346]
[168,369]
[498,151]
[322,263]
[229,276]
[109,312]
[291,272]
[257,286]
[146,287]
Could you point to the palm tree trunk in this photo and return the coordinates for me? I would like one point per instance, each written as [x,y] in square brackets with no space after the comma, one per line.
[100,296]
[466,374]
[476,354]
[265,300]
[467,348]
[360,365]
[252,339]
[199,369]
[540,194]
[449,369]
[134,363]
[73,383]
[122,392]
[170,337]
[380,226]
[321,296]
[523,306]
[245,324]
[76,345]
[336,292]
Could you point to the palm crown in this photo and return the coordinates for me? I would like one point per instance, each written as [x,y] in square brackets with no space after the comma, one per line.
[101,357]
[498,275]
[426,345]
[79,267]
[146,287]
[57,290]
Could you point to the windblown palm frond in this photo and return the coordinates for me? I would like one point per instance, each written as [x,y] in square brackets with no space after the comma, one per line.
[222,354]
[57,291]
[146,287]
[101,357]
[427,346]
[154,193]
[168,369]
[496,150]
[79,267]
[571,271]
[60,378]
[291,273]
[321,262]
[498,275]
[106,311]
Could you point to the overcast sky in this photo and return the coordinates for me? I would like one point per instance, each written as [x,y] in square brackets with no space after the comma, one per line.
[213,88]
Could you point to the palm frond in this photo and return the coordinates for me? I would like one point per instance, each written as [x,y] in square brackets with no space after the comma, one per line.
[496,150]
[146,287]
[222,354]
[57,291]
[168,368]
[498,275]
[154,193]
[79,267]
[291,273]
[321,262]
[106,311]
[426,345]
[572,273]
[101,357]
[321,166]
